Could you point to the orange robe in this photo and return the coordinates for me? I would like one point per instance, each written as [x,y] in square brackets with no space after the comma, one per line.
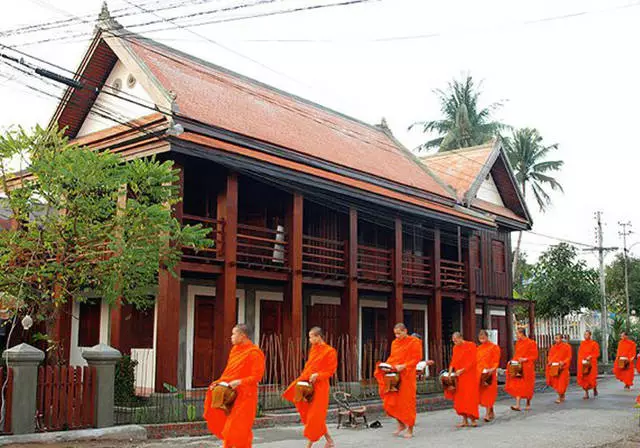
[588,348]
[488,358]
[523,387]
[401,405]
[560,353]
[246,363]
[627,349]
[323,360]
[466,397]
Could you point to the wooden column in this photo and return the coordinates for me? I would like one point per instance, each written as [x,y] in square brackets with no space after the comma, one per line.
[120,332]
[469,309]
[168,318]
[293,295]
[532,319]
[61,331]
[435,307]
[395,307]
[225,307]
[350,293]
[509,330]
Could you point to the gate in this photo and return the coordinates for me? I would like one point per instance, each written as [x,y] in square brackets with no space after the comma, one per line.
[65,398]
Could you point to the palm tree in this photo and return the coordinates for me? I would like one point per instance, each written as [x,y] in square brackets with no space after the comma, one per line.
[526,152]
[464,124]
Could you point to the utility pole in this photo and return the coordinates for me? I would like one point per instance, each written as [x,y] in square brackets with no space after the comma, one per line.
[603,292]
[626,231]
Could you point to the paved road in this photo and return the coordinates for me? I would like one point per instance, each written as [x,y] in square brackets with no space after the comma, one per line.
[610,421]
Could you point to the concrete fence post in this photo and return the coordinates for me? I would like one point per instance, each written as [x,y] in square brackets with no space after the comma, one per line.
[104,359]
[24,360]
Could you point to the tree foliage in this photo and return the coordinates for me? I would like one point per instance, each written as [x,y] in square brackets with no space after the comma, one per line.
[464,122]
[615,284]
[561,283]
[85,222]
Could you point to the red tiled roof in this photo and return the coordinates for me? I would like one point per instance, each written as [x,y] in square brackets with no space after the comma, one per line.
[215,96]
[460,168]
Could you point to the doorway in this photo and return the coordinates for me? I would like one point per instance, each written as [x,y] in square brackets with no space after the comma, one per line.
[203,340]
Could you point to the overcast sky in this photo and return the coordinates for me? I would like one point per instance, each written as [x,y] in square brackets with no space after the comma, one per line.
[567,67]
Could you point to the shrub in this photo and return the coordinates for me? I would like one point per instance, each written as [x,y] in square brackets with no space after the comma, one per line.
[124,387]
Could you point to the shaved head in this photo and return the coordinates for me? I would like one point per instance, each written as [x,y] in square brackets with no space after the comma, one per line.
[317,331]
[400,326]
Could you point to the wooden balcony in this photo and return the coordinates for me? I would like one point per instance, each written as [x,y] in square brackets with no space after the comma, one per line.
[416,270]
[323,258]
[209,254]
[262,248]
[375,264]
[452,275]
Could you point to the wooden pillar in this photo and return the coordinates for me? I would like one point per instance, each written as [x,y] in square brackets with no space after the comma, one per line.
[293,295]
[168,309]
[469,309]
[395,307]
[435,307]
[225,307]
[350,295]
[509,330]
[120,332]
[168,321]
[532,319]
[61,331]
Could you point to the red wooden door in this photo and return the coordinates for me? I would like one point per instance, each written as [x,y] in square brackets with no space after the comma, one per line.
[500,323]
[203,341]
[270,318]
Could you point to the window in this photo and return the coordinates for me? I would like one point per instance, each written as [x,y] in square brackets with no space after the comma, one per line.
[497,250]
[89,324]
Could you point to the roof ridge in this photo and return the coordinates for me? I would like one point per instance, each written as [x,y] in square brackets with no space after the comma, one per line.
[488,145]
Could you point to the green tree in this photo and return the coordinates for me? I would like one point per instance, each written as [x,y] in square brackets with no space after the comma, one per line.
[465,123]
[561,283]
[527,154]
[615,284]
[86,222]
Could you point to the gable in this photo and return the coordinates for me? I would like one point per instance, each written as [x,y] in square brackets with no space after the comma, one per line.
[124,83]
[489,192]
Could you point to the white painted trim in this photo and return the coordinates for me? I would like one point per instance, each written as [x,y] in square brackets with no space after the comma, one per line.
[192,292]
[494,312]
[105,321]
[325,300]
[272,296]
[75,355]
[478,310]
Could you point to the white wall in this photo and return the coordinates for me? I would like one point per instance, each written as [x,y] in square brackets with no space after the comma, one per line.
[488,191]
[126,109]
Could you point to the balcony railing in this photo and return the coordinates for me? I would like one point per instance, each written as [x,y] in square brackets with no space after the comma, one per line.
[374,264]
[416,270]
[213,253]
[263,248]
[324,258]
[452,275]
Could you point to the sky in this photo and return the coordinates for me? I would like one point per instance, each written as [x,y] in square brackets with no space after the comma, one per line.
[566,67]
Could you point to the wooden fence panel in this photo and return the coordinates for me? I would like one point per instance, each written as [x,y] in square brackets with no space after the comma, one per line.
[65,397]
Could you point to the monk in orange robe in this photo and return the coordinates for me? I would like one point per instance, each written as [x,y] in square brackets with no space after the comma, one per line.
[320,367]
[626,349]
[559,356]
[522,387]
[244,371]
[406,353]
[488,363]
[589,353]
[463,364]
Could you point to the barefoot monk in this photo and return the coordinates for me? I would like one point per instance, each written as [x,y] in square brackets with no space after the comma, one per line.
[521,375]
[488,363]
[406,353]
[588,355]
[557,369]
[233,422]
[623,368]
[318,370]
[466,395]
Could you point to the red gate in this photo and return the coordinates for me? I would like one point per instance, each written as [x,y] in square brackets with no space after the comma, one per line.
[66,397]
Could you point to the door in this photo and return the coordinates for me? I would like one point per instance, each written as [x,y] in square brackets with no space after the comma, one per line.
[500,323]
[325,317]
[203,341]
[375,344]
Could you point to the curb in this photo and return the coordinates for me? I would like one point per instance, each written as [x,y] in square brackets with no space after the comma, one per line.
[129,433]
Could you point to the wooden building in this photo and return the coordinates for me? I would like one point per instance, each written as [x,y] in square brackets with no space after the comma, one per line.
[318,218]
